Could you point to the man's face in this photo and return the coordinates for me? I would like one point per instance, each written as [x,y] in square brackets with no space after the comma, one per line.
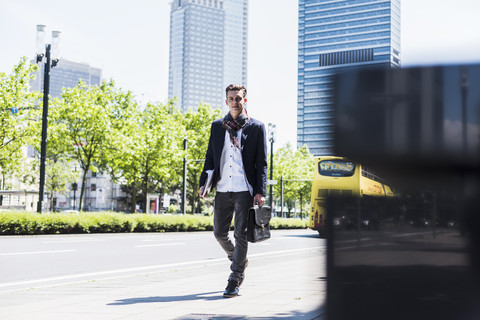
[235,102]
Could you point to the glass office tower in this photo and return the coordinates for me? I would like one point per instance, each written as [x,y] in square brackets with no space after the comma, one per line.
[208,50]
[333,36]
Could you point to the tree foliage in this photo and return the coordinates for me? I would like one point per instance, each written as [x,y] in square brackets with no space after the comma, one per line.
[293,165]
[58,175]
[197,129]
[85,122]
[16,130]
[103,128]
[147,153]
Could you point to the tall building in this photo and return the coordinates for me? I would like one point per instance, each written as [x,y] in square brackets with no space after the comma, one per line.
[333,36]
[208,50]
[66,74]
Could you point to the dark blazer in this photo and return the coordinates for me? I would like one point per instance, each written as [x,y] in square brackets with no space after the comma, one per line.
[254,154]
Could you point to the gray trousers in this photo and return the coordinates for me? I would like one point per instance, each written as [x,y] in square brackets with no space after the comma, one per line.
[226,203]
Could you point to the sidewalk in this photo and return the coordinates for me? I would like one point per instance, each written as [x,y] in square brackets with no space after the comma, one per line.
[290,286]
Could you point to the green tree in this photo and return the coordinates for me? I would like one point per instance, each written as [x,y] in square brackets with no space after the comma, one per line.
[58,175]
[197,128]
[16,130]
[148,151]
[86,121]
[294,165]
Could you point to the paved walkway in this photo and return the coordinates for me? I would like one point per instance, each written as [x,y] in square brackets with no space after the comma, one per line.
[291,286]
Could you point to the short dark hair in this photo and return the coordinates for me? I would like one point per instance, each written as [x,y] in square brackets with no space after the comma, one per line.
[236,87]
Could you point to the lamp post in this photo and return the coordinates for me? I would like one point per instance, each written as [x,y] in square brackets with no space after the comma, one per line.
[51,53]
[185,160]
[271,137]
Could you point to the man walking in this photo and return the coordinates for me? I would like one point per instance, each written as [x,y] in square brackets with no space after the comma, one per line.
[237,154]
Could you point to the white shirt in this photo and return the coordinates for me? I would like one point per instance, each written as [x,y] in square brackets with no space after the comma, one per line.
[233,178]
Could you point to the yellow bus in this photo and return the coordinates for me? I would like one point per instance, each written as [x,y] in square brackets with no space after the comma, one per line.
[338,176]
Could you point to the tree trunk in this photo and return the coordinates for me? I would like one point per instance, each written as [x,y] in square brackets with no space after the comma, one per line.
[301,206]
[134,198]
[51,202]
[145,181]
[82,190]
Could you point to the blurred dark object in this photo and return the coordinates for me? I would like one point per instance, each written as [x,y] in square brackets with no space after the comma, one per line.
[427,116]
[397,270]
[419,129]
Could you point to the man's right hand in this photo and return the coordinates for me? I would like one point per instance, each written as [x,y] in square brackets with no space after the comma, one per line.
[200,192]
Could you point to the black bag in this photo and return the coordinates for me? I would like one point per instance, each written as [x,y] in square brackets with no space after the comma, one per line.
[258,226]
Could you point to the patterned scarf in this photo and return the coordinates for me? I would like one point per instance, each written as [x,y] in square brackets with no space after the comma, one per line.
[233,125]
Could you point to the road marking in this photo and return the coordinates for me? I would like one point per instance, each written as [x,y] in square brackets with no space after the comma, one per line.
[167,239]
[353,240]
[282,252]
[412,234]
[160,244]
[363,245]
[34,252]
[74,241]
[129,271]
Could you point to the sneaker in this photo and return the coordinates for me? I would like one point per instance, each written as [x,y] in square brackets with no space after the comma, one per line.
[243,274]
[231,290]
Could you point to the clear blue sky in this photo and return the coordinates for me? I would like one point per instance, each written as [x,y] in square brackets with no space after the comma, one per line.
[129,40]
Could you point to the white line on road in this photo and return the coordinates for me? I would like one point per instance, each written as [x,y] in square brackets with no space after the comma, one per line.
[353,240]
[161,244]
[34,252]
[148,268]
[168,239]
[74,241]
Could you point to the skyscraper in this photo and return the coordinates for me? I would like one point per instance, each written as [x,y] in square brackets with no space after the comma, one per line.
[66,74]
[334,36]
[208,50]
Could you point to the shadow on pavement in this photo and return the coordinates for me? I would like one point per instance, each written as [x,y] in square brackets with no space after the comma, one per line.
[207,296]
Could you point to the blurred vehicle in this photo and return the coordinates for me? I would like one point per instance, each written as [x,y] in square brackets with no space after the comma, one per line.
[338,176]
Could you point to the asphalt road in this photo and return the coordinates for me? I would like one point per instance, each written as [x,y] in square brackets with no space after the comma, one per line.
[38,261]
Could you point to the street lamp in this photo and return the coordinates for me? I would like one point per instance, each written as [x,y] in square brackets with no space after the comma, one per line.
[271,137]
[52,55]
[185,160]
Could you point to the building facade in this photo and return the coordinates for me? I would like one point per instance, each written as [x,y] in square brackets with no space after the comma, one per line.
[208,50]
[66,74]
[335,35]
[101,194]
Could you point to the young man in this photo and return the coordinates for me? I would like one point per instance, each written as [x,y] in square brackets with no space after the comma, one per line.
[237,154]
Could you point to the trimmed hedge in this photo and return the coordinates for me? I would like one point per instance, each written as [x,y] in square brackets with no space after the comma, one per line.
[28,223]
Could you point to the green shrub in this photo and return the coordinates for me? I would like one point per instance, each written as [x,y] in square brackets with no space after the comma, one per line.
[173,208]
[285,223]
[28,223]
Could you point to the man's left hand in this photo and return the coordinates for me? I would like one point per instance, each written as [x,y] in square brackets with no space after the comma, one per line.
[259,200]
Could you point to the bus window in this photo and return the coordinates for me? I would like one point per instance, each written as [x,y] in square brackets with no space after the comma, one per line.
[336,168]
